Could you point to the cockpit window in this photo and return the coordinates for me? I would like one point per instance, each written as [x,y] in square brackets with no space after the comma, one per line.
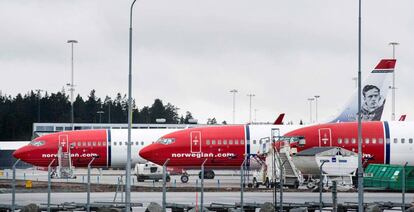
[166,141]
[37,143]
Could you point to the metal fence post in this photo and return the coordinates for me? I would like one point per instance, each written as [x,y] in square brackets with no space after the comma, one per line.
[403,186]
[242,184]
[334,197]
[49,184]
[321,185]
[88,195]
[164,184]
[281,186]
[14,186]
[202,185]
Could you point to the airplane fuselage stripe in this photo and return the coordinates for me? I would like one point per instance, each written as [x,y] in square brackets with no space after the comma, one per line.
[387,143]
[109,148]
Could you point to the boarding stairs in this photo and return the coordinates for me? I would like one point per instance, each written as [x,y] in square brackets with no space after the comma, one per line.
[292,176]
[64,169]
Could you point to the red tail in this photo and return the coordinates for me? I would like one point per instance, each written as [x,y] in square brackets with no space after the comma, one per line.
[279,120]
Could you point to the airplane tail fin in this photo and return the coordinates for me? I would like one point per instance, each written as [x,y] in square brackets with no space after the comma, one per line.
[279,120]
[373,96]
[402,118]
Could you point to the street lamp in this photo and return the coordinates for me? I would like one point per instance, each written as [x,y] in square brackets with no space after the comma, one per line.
[128,164]
[316,107]
[100,115]
[393,44]
[250,110]
[109,102]
[38,104]
[71,83]
[234,91]
[310,108]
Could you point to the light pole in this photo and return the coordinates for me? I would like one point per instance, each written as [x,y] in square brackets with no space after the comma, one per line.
[316,107]
[38,104]
[250,110]
[393,44]
[310,109]
[71,85]
[356,81]
[100,115]
[109,102]
[255,115]
[234,91]
[360,170]
[128,165]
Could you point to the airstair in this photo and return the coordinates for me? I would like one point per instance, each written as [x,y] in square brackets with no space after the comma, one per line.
[64,169]
[269,174]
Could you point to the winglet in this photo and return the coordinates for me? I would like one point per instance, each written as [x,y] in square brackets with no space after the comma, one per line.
[279,120]
[402,118]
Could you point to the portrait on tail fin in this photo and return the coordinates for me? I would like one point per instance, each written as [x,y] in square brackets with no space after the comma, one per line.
[373,103]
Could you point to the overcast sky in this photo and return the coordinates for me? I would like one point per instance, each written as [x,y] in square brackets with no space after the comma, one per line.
[191,53]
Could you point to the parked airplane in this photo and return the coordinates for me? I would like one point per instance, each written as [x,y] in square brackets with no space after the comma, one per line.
[109,146]
[382,142]
[227,146]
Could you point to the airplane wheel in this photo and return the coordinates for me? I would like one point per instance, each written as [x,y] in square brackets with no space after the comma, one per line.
[250,185]
[184,179]
[210,174]
[168,179]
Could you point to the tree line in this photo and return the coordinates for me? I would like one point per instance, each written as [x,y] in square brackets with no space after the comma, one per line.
[17,114]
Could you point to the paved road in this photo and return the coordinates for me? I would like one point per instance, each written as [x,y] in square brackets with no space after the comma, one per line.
[190,198]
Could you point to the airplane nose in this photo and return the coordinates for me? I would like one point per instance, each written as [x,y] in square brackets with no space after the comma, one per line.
[149,153]
[21,153]
[145,152]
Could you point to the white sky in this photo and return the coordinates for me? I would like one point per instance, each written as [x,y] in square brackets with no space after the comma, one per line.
[192,53]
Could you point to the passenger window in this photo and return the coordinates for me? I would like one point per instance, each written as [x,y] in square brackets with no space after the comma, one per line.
[402,140]
[142,143]
[380,140]
[213,142]
[89,143]
[104,143]
[353,140]
[410,140]
[231,142]
[208,142]
[99,143]
[254,141]
[136,143]
[94,143]
[388,141]
[242,142]
[346,141]
[339,140]
[84,143]
[367,141]
[120,143]
[395,140]
[225,142]
[79,143]
[236,142]
[374,141]
[219,142]
[114,143]
[126,143]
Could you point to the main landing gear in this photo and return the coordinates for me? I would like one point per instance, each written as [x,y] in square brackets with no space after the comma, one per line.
[208,174]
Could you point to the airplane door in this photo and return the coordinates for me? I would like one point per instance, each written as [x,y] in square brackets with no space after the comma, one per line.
[64,142]
[195,141]
[325,137]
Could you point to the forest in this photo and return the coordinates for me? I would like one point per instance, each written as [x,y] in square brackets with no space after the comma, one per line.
[17,114]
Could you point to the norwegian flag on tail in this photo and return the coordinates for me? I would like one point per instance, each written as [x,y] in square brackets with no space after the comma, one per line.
[385,66]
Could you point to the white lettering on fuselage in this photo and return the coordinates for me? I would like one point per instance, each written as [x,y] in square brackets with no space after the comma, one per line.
[74,155]
[202,155]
